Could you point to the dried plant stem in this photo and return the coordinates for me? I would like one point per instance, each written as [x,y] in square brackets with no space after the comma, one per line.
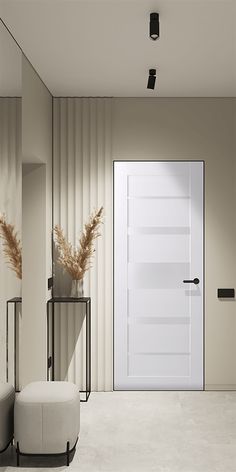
[11,246]
[76,261]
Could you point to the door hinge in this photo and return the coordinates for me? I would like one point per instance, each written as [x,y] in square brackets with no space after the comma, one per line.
[49,362]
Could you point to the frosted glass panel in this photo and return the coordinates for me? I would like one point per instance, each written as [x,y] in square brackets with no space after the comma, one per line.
[158,186]
[158,230]
[151,275]
[159,365]
[159,248]
[158,212]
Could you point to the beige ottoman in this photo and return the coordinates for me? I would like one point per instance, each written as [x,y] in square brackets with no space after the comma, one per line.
[47,419]
[7,396]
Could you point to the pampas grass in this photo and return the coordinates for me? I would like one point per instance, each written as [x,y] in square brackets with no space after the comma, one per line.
[11,246]
[77,260]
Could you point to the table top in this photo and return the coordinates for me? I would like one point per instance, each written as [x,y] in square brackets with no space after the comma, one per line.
[69,300]
[15,300]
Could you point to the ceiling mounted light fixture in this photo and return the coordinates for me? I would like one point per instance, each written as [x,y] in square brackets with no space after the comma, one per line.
[151,79]
[154,29]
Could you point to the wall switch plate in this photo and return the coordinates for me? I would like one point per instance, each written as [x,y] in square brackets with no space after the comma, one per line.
[50,283]
[225,292]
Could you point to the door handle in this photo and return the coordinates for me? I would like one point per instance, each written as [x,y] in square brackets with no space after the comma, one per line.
[194,281]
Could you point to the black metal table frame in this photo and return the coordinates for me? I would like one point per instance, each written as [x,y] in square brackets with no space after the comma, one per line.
[14,301]
[51,358]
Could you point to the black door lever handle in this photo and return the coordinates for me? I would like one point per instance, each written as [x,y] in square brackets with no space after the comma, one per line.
[194,281]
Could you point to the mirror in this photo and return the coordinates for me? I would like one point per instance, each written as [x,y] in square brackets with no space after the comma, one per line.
[10,203]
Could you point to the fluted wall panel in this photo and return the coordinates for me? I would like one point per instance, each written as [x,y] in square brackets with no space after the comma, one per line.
[82,182]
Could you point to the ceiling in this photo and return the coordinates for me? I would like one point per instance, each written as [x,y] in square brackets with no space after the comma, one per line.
[10,65]
[102,48]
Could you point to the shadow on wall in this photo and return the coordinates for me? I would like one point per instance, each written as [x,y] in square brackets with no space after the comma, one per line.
[69,319]
[13,343]
[17,345]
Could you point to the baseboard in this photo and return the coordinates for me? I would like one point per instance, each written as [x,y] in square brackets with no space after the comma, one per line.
[221,387]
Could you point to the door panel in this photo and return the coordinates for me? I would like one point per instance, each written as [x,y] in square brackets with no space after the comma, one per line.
[158,212]
[145,338]
[158,186]
[162,365]
[158,243]
[155,303]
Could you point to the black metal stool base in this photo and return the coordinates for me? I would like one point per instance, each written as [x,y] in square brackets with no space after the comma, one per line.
[5,448]
[67,453]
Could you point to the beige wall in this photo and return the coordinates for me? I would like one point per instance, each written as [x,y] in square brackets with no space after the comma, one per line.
[196,129]
[165,128]
[36,222]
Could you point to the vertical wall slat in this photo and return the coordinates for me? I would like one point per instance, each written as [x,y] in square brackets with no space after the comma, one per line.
[77,129]
[93,203]
[85,121]
[101,246]
[63,222]
[70,228]
[108,255]
[56,213]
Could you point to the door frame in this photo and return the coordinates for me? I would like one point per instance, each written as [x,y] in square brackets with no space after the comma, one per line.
[113,267]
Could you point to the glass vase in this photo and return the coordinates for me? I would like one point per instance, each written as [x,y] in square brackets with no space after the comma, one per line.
[77,289]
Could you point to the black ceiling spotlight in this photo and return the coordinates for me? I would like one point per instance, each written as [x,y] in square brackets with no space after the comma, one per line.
[154,29]
[151,79]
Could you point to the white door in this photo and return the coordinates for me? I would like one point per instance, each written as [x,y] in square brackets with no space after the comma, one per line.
[158,252]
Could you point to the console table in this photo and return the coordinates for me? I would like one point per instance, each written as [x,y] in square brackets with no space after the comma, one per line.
[51,335]
[14,301]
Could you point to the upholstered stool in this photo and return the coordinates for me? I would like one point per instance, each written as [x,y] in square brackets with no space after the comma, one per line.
[47,419]
[7,396]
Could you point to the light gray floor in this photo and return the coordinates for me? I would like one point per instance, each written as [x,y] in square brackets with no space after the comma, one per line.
[150,431]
